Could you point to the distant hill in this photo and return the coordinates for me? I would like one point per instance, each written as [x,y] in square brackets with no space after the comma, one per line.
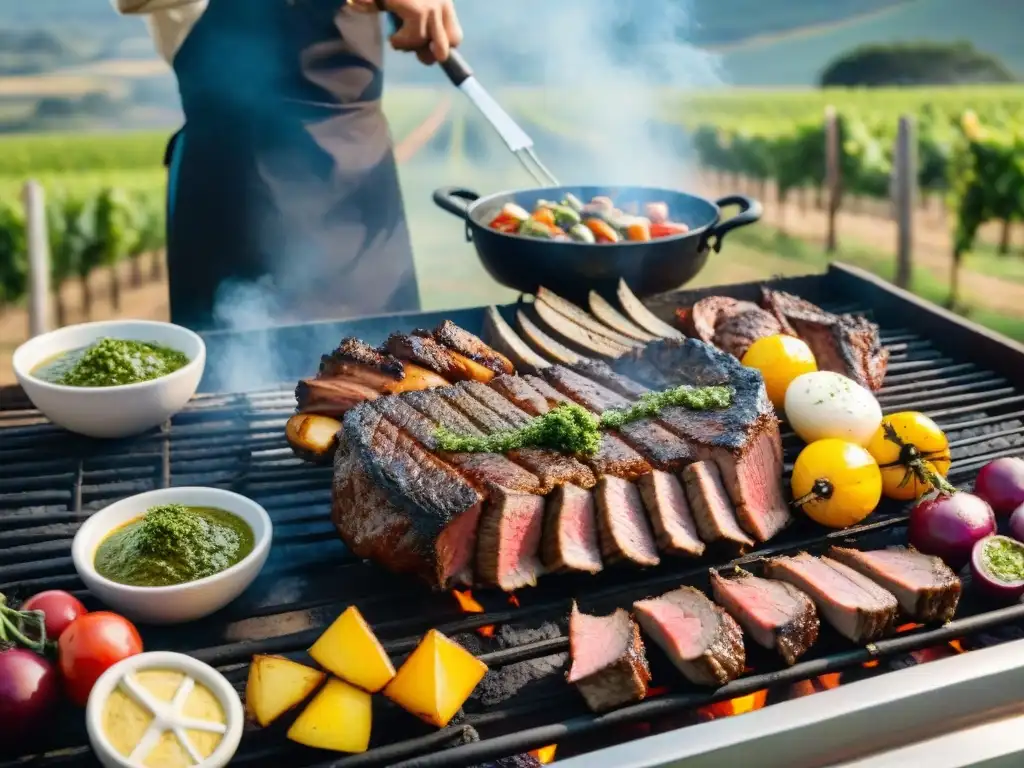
[799,56]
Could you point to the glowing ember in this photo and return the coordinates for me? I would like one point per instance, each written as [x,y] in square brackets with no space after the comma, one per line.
[955,645]
[656,691]
[469,604]
[741,705]
[824,682]
[870,664]
[546,754]
[908,627]
[514,602]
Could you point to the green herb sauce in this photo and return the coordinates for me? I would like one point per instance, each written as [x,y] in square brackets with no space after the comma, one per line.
[173,544]
[570,428]
[111,363]
[1004,559]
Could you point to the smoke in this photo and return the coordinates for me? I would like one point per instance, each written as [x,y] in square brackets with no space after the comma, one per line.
[593,81]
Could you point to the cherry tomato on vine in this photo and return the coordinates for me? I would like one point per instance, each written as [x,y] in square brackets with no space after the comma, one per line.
[90,646]
[59,608]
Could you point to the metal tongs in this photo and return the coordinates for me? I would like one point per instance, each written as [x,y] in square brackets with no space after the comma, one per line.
[517,140]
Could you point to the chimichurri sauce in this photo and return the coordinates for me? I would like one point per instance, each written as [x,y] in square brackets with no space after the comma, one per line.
[111,363]
[173,544]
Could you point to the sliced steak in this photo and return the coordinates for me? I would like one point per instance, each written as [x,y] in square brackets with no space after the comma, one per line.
[743,440]
[583,318]
[730,324]
[926,588]
[859,609]
[395,503]
[659,446]
[713,514]
[552,467]
[608,665]
[535,396]
[670,515]
[570,540]
[701,639]
[357,361]
[508,541]
[331,397]
[775,614]
[574,335]
[425,351]
[623,528]
[466,344]
[606,376]
[846,344]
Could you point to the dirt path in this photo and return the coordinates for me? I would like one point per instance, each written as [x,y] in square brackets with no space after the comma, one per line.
[932,241]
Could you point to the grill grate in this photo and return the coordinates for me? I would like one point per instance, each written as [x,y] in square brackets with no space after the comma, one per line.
[50,481]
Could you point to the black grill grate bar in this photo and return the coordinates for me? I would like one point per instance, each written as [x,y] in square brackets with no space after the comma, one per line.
[925,405]
[952,426]
[918,365]
[945,384]
[983,388]
[944,370]
[972,408]
[965,442]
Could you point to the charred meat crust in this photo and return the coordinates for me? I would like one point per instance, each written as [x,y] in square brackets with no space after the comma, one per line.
[775,614]
[927,589]
[424,351]
[731,324]
[625,676]
[331,397]
[353,352]
[465,343]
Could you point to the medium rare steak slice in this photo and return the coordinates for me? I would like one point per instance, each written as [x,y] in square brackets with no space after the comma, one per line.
[397,504]
[508,541]
[775,614]
[536,397]
[670,515]
[712,512]
[743,440]
[570,531]
[622,525]
[605,375]
[608,665]
[484,470]
[663,449]
[701,639]
[465,343]
[926,588]
[846,344]
[429,353]
[552,467]
[859,609]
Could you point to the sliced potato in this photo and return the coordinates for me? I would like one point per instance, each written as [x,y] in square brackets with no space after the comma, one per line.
[350,650]
[313,437]
[277,684]
[436,679]
[339,718]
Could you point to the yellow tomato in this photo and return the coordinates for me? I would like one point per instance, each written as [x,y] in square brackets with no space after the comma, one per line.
[780,359]
[838,483]
[919,441]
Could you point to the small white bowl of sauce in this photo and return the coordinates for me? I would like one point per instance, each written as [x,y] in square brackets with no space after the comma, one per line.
[164,709]
[109,411]
[179,600]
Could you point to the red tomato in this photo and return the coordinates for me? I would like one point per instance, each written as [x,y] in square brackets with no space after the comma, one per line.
[668,228]
[90,646]
[59,607]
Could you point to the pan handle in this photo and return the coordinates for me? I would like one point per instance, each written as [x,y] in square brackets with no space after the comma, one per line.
[750,212]
[455,200]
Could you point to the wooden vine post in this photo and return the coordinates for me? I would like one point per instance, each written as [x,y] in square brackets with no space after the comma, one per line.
[904,197]
[833,175]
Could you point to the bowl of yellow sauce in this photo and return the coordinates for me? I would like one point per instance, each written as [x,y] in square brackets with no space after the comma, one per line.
[163,710]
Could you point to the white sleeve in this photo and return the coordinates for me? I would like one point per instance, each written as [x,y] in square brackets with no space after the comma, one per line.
[169,21]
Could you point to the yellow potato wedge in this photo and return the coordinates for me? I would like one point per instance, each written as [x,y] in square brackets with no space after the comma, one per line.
[312,437]
[436,679]
[277,684]
[339,718]
[350,650]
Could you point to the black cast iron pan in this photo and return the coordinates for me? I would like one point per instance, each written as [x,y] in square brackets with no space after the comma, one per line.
[572,269]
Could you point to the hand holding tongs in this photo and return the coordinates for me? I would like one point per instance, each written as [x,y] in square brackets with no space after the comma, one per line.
[517,140]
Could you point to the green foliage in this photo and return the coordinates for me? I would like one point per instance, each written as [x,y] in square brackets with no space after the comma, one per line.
[925,63]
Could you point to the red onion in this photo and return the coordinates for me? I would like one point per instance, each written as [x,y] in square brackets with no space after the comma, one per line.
[1001,484]
[29,689]
[1007,586]
[949,526]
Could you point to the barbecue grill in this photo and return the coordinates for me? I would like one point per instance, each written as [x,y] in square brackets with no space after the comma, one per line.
[969,380]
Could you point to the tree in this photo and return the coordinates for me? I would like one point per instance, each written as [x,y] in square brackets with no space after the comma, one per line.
[922,63]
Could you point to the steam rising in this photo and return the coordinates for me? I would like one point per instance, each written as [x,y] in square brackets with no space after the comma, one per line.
[597,70]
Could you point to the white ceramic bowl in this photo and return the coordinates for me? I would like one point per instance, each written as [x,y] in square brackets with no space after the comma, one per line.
[181,602]
[167,715]
[111,411]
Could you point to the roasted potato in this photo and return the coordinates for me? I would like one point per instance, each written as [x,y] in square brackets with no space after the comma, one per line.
[277,684]
[312,437]
[350,650]
[339,718]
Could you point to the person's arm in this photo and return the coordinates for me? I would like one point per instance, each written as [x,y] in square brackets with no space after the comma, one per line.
[169,21]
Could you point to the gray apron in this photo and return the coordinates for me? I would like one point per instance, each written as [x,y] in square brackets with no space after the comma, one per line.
[283,195]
